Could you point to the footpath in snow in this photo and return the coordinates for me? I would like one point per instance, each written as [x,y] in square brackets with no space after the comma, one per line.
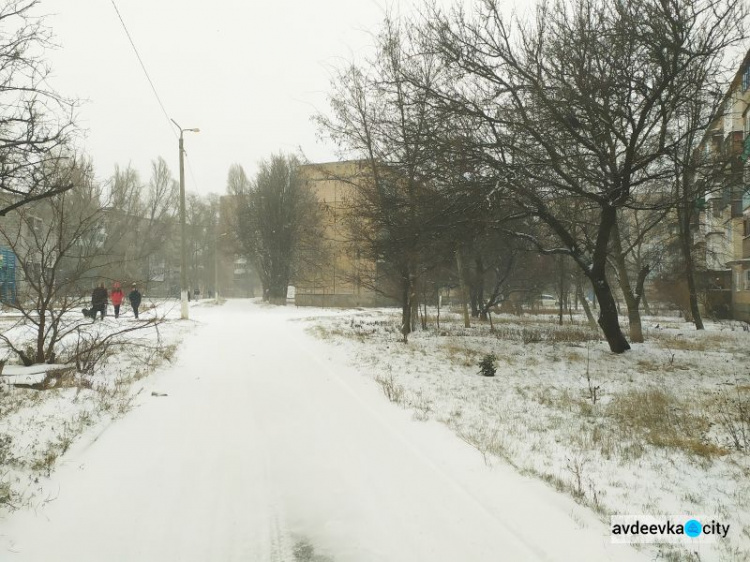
[268,447]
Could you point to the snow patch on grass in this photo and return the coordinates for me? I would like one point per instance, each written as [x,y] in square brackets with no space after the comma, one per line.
[661,429]
[38,426]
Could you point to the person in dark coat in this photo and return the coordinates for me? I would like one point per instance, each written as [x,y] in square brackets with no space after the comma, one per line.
[99,297]
[134,296]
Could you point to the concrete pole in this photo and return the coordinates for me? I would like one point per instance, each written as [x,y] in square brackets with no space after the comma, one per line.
[183,235]
[183,228]
[216,269]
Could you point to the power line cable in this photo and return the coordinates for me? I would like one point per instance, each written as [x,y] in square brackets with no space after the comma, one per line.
[192,175]
[153,87]
[143,66]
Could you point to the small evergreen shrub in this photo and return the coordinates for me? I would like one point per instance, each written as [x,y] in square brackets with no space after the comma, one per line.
[487,366]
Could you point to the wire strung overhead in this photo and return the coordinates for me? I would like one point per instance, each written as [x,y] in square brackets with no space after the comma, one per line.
[151,83]
[143,67]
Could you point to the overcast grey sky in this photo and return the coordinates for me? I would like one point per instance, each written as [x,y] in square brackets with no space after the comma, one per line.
[249,74]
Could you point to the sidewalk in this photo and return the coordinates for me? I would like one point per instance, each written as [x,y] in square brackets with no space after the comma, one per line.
[265,439]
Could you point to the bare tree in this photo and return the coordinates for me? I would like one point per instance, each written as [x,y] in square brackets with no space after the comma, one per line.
[581,104]
[35,121]
[63,243]
[696,175]
[125,189]
[277,216]
[237,181]
[202,219]
[633,226]
[382,119]
[141,217]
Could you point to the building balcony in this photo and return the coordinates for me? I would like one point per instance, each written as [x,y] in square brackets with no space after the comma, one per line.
[738,208]
[734,144]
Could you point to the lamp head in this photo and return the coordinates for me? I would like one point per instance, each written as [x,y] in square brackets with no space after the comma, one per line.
[194,130]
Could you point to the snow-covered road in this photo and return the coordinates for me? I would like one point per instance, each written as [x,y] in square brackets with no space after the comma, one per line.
[267,443]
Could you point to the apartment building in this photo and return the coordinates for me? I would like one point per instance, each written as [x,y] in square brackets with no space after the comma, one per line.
[725,220]
[344,277]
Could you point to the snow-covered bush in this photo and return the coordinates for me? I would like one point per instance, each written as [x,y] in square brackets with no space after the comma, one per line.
[487,367]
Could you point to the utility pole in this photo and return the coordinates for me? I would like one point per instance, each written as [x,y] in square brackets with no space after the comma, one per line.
[216,269]
[217,256]
[185,315]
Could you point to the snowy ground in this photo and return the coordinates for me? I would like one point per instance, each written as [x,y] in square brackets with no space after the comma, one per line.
[259,442]
[37,427]
[653,431]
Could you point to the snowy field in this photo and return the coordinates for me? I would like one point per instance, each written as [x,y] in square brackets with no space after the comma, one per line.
[37,426]
[308,435]
[662,429]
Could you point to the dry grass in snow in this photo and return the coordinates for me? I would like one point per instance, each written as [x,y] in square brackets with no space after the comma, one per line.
[37,426]
[662,429]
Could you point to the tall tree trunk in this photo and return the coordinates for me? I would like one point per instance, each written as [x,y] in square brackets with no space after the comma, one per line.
[587,309]
[40,336]
[462,283]
[561,291]
[683,218]
[608,319]
[405,307]
[414,301]
[477,290]
[644,300]
[473,301]
[597,274]
[439,302]
[640,290]
[632,303]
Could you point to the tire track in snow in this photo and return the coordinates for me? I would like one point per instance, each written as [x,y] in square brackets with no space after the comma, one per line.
[173,480]
[534,521]
[531,551]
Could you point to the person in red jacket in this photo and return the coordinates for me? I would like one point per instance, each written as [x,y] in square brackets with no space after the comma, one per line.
[116,296]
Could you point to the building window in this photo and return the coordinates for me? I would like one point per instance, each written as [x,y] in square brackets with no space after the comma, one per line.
[746,286]
[746,79]
[35,225]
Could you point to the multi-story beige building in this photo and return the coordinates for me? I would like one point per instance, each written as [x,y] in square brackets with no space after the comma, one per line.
[725,224]
[344,276]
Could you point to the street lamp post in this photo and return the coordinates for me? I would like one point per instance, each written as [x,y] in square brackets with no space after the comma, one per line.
[183,228]
[216,273]
[216,265]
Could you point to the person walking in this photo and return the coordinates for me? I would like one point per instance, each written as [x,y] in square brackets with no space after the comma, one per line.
[99,299]
[135,299]
[117,295]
